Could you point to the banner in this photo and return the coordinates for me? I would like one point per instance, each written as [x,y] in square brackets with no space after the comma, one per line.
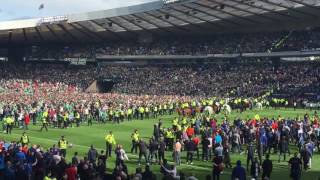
[76,61]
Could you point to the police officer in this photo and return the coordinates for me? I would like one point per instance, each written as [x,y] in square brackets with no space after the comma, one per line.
[116,117]
[155,111]
[171,109]
[165,108]
[135,140]
[141,112]
[9,122]
[89,118]
[111,114]
[78,118]
[62,144]
[44,120]
[110,140]
[122,115]
[65,120]
[129,114]
[24,139]
[169,139]
[147,112]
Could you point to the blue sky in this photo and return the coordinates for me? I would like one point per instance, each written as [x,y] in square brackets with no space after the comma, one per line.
[21,9]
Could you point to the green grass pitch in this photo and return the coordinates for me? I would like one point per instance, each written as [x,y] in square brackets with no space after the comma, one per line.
[84,136]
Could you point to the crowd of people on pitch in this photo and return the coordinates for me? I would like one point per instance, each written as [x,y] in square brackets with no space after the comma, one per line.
[256,137]
[197,136]
[201,137]
[21,161]
[58,111]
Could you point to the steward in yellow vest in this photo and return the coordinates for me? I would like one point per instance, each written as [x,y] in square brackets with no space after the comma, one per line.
[44,120]
[78,118]
[62,144]
[160,109]
[141,112]
[111,114]
[129,114]
[135,141]
[165,108]
[121,115]
[110,140]
[24,139]
[155,111]
[169,136]
[147,111]
[9,123]
[65,120]
[171,109]
[175,122]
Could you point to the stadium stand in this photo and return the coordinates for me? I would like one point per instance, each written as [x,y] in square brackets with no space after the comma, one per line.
[306,40]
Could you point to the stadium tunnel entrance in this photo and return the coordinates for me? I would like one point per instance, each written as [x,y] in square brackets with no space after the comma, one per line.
[102,85]
[105,85]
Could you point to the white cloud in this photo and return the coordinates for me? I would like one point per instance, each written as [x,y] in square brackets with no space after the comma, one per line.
[14,9]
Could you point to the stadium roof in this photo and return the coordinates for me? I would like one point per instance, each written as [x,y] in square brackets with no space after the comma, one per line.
[167,17]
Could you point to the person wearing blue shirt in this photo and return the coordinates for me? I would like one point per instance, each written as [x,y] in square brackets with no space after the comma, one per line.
[2,164]
[6,145]
[262,131]
[270,139]
[218,139]
[20,156]
[310,147]
[264,142]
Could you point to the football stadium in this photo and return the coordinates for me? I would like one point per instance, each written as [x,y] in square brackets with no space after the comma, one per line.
[160,89]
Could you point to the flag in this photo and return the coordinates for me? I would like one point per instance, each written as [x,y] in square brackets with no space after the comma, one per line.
[41,6]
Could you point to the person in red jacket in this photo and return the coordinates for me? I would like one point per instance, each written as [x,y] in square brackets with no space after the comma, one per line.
[190,132]
[71,172]
[196,141]
[25,149]
[26,120]
[274,125]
